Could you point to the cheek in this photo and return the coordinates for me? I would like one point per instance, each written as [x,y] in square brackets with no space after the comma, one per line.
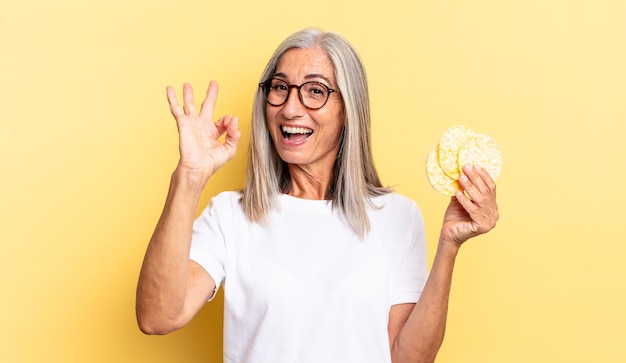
[270,122]
[270,116]
[335,123]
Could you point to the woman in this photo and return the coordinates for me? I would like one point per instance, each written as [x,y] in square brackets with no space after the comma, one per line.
[319,262]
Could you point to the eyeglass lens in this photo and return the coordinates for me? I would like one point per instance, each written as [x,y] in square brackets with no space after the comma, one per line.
[312,94]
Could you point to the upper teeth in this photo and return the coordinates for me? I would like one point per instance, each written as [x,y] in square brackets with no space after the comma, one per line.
[296,130]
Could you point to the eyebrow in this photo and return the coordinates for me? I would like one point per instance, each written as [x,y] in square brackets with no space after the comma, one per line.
[308,76]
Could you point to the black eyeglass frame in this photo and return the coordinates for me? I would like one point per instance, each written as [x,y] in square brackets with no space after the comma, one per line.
[266,89]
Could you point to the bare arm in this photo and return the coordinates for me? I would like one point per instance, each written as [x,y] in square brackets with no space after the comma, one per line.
[416,331]
[171,287]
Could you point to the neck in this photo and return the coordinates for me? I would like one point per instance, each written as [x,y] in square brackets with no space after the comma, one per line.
[306,184]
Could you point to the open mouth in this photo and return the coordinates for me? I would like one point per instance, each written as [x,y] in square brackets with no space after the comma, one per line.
[296,133]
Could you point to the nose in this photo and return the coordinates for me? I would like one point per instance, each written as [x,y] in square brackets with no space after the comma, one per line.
[293,107]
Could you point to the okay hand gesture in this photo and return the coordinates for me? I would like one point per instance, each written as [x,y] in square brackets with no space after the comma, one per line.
[201,151]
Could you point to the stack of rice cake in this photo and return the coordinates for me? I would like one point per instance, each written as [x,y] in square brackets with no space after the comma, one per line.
[459,146]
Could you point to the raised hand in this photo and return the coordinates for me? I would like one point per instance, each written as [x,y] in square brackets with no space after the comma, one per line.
[201,151]
[467,217]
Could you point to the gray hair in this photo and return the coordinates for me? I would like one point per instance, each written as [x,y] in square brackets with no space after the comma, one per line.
[355,180]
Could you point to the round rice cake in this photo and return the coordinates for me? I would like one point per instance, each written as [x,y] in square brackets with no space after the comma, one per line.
[436,176]
[449,146]
[483,151]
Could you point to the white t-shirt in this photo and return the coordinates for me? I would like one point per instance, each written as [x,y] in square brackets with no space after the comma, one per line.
[304,287]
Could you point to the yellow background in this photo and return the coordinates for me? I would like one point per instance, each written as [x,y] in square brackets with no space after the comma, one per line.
[87,146]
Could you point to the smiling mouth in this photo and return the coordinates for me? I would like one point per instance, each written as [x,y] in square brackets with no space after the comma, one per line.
[296,133]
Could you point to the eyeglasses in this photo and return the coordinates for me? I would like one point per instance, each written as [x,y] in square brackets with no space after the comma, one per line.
[313,95]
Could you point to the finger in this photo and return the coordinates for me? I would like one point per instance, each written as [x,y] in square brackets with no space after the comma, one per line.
[472,181]
[233,135]
[473,173]
[483,218]
[466,183]
[208,105]
[188,103]
[481,204]
[229,125]
[487,179]
[173,102]
[465,202]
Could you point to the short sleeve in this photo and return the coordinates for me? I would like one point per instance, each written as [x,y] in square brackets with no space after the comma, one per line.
[410,271]
[208,247]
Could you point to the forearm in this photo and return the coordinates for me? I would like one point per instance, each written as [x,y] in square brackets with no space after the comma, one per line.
[421,336]
[468,215]
[163,280]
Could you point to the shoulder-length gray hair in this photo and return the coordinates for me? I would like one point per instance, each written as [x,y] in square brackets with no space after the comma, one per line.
[355,179]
